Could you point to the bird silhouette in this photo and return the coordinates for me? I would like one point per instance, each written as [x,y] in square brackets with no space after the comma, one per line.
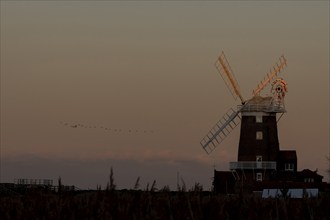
[117,130]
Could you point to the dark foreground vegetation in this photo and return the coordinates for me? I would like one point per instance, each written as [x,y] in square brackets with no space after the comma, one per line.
[162,204]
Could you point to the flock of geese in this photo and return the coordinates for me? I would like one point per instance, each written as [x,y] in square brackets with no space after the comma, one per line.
[115,130]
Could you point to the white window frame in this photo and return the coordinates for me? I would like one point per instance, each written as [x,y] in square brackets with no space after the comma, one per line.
[259,135]
[289,167]
[309,180]
[259,177]
[258,118]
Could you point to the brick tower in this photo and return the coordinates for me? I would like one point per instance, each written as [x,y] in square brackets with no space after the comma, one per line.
[258,144]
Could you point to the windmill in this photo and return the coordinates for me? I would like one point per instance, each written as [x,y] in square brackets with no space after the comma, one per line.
[258,144]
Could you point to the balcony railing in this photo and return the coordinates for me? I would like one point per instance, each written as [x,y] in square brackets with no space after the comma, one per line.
[252,165]
[46,182]
[261,108]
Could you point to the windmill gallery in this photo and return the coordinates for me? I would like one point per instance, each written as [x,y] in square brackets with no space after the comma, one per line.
[261,165]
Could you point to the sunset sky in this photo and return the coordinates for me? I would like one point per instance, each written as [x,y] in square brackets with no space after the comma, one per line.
[139,78]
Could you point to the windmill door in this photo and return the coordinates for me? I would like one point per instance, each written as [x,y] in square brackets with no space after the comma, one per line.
[259,161]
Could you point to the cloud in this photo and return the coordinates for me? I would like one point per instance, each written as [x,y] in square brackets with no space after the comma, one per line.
[87,173]
[163,155]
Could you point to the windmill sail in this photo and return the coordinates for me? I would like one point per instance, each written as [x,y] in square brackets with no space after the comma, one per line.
[228,76]
[220,131]
[276,69]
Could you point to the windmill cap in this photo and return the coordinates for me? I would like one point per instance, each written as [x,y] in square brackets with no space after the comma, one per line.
[261,104]
[260,100]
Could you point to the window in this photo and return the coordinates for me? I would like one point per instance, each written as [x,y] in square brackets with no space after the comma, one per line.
[309,180]
[289,167]
[259,177]
[258,118]
[259,135]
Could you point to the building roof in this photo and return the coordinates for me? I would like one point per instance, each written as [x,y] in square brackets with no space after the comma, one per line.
[307,173]
[292,193]
[288,155]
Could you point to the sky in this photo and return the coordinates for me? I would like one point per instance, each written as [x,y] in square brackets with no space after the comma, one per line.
[139,81]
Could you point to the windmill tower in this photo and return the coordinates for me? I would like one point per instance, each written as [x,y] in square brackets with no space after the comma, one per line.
[258,144]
